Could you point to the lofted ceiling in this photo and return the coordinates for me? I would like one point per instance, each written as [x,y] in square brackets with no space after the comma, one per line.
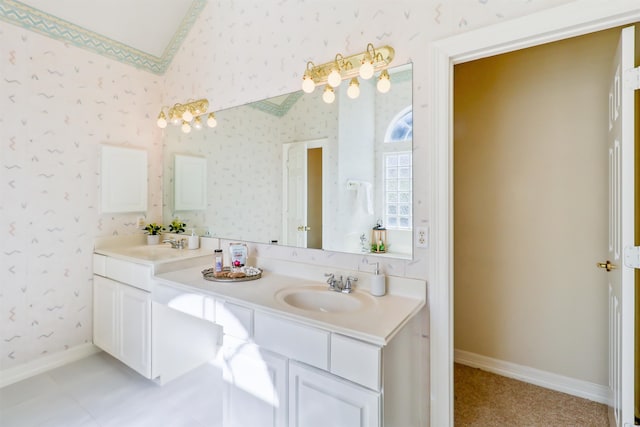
[142,33]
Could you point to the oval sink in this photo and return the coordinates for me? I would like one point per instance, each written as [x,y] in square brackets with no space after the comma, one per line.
[320,299]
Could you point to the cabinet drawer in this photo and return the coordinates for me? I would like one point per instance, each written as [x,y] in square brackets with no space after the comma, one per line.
[235,320]
[356,361]
[133,274]
[298,342]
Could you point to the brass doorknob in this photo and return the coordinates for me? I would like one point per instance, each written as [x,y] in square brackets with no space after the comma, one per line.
[304,228]
[606,265]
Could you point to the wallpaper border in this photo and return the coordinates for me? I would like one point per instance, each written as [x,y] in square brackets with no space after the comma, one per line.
[17,13]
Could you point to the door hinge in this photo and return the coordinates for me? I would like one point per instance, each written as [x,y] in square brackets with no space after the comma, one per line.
[632,256]
[632,79]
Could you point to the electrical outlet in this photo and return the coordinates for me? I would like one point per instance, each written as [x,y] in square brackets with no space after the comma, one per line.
[422,237]
[140,221]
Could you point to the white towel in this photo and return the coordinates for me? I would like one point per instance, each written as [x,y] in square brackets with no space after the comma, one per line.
[366,188]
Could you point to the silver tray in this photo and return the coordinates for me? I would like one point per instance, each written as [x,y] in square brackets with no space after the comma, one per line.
[208,274]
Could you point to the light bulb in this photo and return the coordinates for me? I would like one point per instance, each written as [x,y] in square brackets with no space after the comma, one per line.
[308,85]
[384,82]
[334,78]
[354,88]
[187,116]
[186,127]
[162,120]
[366,69]
[197,123]
[211,120]
[329,95]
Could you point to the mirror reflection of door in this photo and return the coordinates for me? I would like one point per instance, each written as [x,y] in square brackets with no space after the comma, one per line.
[303,196]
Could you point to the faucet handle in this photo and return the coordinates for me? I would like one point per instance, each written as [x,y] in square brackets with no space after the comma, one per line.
[331,278]
[348,284]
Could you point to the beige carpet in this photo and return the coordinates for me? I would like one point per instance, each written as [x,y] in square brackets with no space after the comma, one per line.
[485,399]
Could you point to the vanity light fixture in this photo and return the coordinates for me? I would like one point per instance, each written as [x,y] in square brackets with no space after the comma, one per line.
[384,82]
[187,116]
[354,88]
[364,65]
[328,95]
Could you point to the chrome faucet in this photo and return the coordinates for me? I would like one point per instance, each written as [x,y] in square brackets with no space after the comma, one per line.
[175,243]
[338,285]
[348,285]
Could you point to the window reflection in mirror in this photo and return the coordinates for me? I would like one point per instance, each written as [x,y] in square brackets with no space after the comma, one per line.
[362,165]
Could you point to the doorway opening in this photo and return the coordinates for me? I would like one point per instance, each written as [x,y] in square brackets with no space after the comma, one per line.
[569,20]
[304,204]
[530,214]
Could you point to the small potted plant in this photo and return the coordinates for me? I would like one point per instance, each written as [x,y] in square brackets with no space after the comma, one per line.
[153,233]
[177,226]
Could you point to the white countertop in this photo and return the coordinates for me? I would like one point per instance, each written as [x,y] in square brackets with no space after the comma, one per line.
[376,322]
[153,254]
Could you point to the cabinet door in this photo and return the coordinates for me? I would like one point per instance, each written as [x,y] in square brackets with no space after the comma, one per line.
[135,329]
[319,399]
[105,306]
[255,386]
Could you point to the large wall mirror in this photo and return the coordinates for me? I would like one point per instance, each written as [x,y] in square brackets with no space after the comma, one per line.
[300,172]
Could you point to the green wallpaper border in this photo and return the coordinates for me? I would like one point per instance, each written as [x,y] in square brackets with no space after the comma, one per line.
[20,14]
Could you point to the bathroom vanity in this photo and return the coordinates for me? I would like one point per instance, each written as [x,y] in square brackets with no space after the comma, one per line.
[293,353]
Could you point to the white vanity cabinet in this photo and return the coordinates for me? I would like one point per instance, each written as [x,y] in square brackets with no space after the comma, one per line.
[319,399]
[122,314]
[281,372]
[160,334]
[255,389]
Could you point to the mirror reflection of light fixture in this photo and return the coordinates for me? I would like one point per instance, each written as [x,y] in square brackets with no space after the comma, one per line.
[197,123]
[187,116]
[363,64]
[211,120]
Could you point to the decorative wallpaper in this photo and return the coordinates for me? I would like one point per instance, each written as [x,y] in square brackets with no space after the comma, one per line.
[59,102]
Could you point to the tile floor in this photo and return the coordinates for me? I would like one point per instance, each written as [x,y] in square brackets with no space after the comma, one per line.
[101,391]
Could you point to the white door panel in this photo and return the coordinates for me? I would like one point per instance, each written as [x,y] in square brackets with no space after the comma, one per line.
[621,235]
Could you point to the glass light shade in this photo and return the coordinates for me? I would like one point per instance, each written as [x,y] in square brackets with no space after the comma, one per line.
[308,84]
[334,78]
[186,127]
[162,120]
[329,95]
[187,116]
[211,120]
[197,123]
[384,82]
[366,69]
[354,89]
[175,119]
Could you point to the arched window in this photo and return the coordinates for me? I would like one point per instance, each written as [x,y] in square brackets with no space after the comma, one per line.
[401,127]
[398,171]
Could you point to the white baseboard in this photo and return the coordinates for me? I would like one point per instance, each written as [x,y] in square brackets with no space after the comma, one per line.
[572,386]
[46,363]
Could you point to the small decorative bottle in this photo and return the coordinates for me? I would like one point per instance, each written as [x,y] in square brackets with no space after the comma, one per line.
[218,262]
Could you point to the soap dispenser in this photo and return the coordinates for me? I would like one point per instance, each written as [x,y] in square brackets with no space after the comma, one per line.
[194,241]
[378,286]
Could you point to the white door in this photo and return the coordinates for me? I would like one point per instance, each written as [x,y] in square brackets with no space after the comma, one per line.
[621,235]
[105,312]
[296,195]
[319,399]
[135,329]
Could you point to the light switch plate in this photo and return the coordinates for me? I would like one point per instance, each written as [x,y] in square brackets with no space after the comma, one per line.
[422,237]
